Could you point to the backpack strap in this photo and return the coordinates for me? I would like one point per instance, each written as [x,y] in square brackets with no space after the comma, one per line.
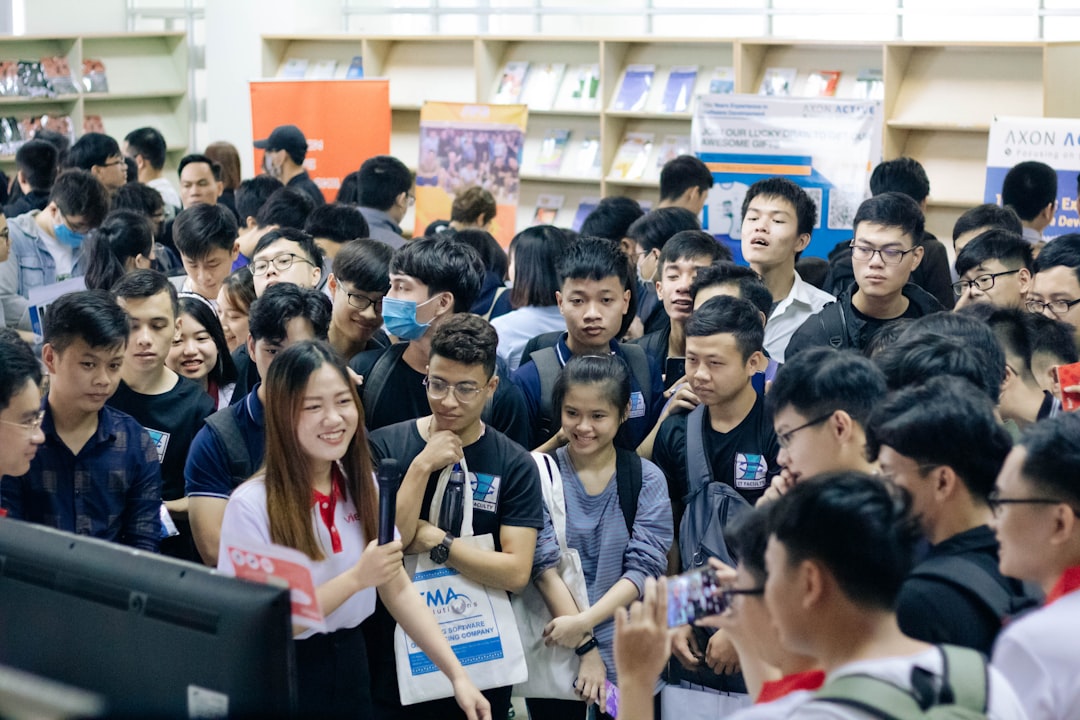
[965,676]
[223,422]
[872,695]
[638,360]
[960,572]
[834,324]
[628,478]
[498,294]
[698,470]
[548,368]
[377,380]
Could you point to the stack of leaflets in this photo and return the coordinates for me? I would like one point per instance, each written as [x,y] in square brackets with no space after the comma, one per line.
[551,151]
[632,157]
[680,89]
[777,81]
[542,85]
[323,70]
[672,147]
[634,91]
[510,84]
[870,84]
[356,69]
[9,77]
[58,75]
[32,80]
[294,69]
[822,83]
[722,81]
[584,208]
[94,79]
[547,208]
[580,88]
[11,137]
[588,160]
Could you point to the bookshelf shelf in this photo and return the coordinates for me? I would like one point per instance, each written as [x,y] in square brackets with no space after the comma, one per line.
[562,179]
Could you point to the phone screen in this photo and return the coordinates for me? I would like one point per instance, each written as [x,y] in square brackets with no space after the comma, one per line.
[694,595]
[674,369]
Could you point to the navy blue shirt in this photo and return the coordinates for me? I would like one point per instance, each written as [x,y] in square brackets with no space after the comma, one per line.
[110,490]
[207,470]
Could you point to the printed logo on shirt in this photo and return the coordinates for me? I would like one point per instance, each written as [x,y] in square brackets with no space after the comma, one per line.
[750,471]
[637,405]
[161,440]
[485,491]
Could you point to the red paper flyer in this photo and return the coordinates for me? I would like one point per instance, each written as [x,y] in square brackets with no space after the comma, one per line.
[284,567]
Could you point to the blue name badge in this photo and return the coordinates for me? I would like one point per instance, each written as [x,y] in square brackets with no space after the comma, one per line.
[637,405]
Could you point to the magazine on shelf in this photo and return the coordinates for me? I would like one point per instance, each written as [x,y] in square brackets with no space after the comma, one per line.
[587,162]
[634,90]
[356,69]
[547,208]
[870,84]
[580,89]
[58,75]
[672,147]
[552,149]
[722,81]
[32,80]
[542,85]
[11,136]
[511,82]
[679,91]
[294,69]
[822,83]
[323,70]
[93,124]
[586,206]
[632,156]
[777,81]
[9,77]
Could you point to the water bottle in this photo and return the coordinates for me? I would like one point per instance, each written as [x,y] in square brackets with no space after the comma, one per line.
[453,504]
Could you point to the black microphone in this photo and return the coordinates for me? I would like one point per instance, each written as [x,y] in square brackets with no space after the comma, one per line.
[389,477]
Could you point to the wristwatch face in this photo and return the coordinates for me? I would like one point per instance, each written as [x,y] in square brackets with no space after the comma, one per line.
[439,554]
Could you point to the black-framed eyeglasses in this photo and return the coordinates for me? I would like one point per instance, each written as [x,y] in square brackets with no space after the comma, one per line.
[996,502]
[983,282]
[465,392]
[784,438]
[362,302]
[281,263]
[889,256]
[31,426]
[729,594]
[1058,307]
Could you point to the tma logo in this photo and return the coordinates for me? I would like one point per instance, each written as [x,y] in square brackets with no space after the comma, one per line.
[449,601]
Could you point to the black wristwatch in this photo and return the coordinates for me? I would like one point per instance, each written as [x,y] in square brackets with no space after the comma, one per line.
[441,552]
[587,646]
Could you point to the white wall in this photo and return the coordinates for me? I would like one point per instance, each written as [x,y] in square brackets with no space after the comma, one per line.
[70,17]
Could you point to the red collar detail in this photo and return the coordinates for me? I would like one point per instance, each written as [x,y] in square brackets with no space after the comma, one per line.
[327,505]
[1067,583]
[776,689]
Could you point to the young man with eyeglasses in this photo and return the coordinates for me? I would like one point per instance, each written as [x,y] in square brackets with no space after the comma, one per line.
[1037,522]
[994,268]
[884,252]
[20,405]
[357,286]
[99,155]
[286,255]
[502,487]
[924,437]
[1055,289]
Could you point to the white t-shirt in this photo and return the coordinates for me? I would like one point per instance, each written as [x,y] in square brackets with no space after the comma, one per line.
[247,522]
[517,327]
[1003,703]
[777,709]
[63,255]
[1040,655]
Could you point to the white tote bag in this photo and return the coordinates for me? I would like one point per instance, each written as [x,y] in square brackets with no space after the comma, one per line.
[552,670]
[476,620]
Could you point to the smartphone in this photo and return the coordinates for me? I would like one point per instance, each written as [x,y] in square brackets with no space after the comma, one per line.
[609,706]
[1069,376]
[674,369]
[694,595]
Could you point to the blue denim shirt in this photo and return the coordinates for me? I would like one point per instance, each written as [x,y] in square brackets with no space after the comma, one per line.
[31,265]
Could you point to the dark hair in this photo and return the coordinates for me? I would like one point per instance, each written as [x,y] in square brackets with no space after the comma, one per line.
[92,149]
[725,314]
[751,286]
[471,203]
[197,158]
[607,371]
[895,210]
[822,380]
[285,208]
[227,157]
[337,223]
[1063,252]
[149,143]
[536,251]
[224,372]
[988,216]
[364,264]
[19,364]
[382,178]
[903,175]
[77,193]
[974,353]
[37,161]
[682,173]
[61,142]
[444,265]
[886,336]
[611,218]
[594,258]
[1001,245]
[1053,454]
[92,315]
[139,198]
[252,194]
[855,525]
[349,192]
[690,244]
[1013,329]
[1028,188]
[467,339]
[239,286]
[653,230]
[131,170]
[944,421]
[491,253]
[747,536]
[270,313]
[125,234]
[1053,337]
[301,238]
[806,212]
[141,284]
[201,229]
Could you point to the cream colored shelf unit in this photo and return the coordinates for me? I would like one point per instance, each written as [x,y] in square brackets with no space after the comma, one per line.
[148,84]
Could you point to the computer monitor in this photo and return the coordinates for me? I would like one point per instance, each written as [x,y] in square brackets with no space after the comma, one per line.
[153,636]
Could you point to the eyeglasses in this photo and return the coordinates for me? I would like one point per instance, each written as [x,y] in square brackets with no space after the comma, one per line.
[281,263]
[785,438]
[438,389]
[114,163]
[889,256]
[362,302]
[1058,307]
[30,427]
[996,502]
[983,282]
[729,594]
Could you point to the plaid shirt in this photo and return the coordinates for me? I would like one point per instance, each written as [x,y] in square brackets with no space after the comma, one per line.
[110,490]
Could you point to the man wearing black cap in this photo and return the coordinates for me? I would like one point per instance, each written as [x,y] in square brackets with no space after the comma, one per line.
[284,159]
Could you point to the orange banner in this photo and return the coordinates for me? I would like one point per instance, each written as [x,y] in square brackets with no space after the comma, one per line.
[345,123]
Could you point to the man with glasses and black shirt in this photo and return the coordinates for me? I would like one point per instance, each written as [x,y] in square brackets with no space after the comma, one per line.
[286,255]
[1055,289]
[360,280]
[884,252]
[994,268]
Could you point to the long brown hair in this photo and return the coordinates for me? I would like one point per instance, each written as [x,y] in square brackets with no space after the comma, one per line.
[287,469]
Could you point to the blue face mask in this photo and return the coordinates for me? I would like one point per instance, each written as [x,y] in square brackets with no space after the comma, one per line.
[67,236]
[399,316]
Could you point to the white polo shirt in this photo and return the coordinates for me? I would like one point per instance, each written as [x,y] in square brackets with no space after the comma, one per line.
[803,301]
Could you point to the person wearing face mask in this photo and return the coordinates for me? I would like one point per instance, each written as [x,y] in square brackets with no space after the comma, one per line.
[46,245]
[283,159]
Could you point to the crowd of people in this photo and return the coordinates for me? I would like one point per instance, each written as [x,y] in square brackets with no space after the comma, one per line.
[862,465]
